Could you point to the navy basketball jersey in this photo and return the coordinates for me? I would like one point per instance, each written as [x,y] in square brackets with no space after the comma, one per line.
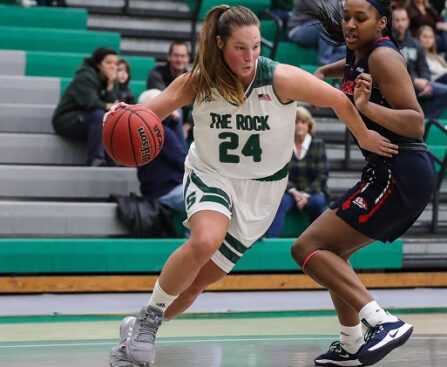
[352,71]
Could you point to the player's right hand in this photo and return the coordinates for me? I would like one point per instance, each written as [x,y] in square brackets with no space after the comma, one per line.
[112,110]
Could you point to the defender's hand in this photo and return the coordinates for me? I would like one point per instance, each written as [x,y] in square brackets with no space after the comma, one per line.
[376,143]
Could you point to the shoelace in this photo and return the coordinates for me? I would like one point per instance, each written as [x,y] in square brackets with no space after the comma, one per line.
[149,325]
[372,331]
[336,347]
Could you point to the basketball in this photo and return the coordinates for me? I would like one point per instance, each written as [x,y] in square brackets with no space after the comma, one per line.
[133,135]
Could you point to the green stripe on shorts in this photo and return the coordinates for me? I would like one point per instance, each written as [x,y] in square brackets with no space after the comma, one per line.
[230,255]
[216,199]
[210,190]
[233,242]
[230,243]
[277,176]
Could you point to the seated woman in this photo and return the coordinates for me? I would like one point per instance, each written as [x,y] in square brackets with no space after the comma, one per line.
[308,174]
[91,93]
[436,63]
[422,13]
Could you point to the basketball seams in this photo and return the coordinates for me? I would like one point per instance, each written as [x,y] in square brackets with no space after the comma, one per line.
[111,145]
[131,136]
[155,144]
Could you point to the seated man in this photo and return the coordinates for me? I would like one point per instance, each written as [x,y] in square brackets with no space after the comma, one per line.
[163,75]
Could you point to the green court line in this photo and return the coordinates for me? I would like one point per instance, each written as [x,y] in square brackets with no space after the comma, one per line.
[205,316]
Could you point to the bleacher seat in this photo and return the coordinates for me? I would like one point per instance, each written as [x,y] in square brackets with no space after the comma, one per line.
[43,17]
[294,54]
[56,40]
[64,64]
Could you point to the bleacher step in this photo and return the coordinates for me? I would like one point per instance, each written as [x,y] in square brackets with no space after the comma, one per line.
[59,219]
[12,62]
[26,89]
[26,118]
[105,22]
[53,182]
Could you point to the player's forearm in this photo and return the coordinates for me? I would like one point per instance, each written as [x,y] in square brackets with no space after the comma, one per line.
[405,122]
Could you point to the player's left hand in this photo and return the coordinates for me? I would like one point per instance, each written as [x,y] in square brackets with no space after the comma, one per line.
[373,142]
[362,90]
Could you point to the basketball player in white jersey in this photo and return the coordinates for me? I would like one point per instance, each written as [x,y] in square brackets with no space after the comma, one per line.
[244,110]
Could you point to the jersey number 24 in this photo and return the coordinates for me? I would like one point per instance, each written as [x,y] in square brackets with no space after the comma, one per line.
[252,148]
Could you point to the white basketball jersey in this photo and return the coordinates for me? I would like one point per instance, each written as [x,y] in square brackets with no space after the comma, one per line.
[254,140]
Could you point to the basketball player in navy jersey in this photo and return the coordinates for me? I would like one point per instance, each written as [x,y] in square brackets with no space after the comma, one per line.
[391,193]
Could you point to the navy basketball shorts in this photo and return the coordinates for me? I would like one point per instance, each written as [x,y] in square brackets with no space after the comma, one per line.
[390,196]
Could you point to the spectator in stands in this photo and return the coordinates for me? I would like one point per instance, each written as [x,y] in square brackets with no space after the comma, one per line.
[398,4]
[90,94]
[436,63]
[282,9]
[432,95]
[163,75]
[308,173]
[163,177]
[123,77]
[305,30]
[422,13]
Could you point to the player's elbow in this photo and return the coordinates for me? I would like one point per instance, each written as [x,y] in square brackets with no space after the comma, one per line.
[340,103]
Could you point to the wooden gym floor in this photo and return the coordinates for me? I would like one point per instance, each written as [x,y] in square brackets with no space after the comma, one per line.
[260,339]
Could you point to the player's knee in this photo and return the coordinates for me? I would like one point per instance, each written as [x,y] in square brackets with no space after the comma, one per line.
[297,252]
[204,246]
[301,250]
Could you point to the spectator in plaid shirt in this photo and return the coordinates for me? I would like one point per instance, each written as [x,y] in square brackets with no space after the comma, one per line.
[308,173]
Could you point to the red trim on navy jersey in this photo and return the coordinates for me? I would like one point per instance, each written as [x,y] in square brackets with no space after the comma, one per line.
[364,218]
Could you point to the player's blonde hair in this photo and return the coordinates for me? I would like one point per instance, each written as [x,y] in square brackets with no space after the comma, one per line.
[209,69]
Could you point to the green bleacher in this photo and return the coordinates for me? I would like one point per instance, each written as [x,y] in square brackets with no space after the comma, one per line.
[43,17]
[56,40]
[93,256]
[294,54]
[60,40]
[64,65]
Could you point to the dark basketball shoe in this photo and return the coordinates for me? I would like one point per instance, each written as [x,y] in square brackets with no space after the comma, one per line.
[337,356]
[382,339]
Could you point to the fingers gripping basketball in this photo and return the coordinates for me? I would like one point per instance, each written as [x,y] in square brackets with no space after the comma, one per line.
[133,135]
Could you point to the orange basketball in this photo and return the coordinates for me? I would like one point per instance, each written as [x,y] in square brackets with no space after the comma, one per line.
[133,135]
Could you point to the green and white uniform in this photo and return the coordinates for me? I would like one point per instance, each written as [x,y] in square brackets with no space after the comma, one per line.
[238,163]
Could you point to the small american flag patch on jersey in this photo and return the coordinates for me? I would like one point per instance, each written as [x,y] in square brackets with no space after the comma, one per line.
[264,97]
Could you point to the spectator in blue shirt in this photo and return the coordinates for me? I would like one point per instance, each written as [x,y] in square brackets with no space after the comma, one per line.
[163,177]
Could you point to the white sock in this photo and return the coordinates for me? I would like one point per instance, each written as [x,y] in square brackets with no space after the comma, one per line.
[160,298]
[351,338]
[374,314]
